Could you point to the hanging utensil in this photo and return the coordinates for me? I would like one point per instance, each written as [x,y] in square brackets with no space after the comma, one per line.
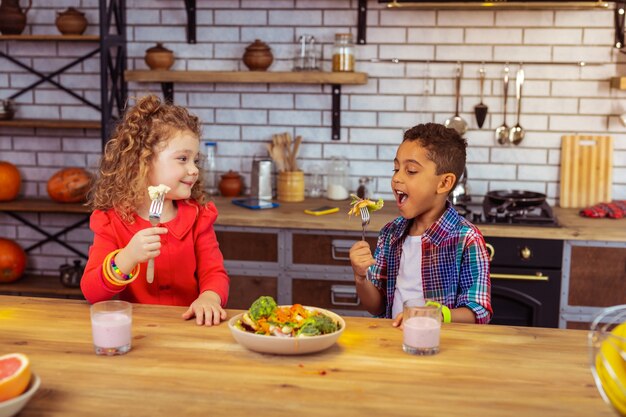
[502,132]
[516,135]
[480,110]
[456,122]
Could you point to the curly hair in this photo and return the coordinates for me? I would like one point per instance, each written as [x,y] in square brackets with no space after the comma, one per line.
[127,159]
[446,148]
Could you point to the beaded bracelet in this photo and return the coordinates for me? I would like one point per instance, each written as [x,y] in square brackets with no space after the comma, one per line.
[109,264]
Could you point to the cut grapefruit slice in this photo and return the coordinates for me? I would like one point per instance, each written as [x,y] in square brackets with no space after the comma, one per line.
[14,375]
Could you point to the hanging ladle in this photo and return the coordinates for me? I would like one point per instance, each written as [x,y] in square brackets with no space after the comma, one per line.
[457,123]
[480,110]
[502,132]
[516,135]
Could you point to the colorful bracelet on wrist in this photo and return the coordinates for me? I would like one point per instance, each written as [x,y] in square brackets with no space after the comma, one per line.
[111,271]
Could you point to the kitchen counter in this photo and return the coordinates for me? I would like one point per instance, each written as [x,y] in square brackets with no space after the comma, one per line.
[178,368]
[292,216]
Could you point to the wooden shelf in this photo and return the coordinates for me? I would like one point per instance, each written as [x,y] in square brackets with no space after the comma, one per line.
[41,205]
[52,124]
[618,83]
[286,77]
[40,286]
[73,38]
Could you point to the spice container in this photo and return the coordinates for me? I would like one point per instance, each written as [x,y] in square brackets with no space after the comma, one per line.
[343,53]
[338,187]
[306,57]
[210,167]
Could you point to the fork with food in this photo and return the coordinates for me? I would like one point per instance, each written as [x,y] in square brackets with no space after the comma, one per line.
[157,197]
[363,207]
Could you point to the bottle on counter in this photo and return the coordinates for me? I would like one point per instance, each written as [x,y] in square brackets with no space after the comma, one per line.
[343,53]
[210,167]
[338,182]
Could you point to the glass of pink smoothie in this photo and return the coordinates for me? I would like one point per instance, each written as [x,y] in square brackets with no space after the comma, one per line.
[421,326]
[111,323]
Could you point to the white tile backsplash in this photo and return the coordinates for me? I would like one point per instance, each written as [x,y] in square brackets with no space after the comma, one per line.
[557,100]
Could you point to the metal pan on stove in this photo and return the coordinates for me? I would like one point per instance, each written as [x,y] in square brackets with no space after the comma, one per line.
[515,198]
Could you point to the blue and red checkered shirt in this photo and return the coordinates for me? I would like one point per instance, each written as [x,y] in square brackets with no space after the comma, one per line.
[455,263]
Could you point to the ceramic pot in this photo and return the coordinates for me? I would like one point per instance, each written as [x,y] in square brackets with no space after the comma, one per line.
[71,275]
[231,184]
[290,186]
[71,22]
[7,109]
[159,57]
[12,17]
[258,56]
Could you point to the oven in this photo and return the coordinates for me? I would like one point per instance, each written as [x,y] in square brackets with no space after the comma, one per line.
[525,281]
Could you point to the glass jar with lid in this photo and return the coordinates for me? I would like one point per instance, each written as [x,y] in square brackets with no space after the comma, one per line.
[338,187]
[343,53]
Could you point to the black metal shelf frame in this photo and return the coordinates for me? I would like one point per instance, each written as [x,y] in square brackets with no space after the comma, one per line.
[112,50]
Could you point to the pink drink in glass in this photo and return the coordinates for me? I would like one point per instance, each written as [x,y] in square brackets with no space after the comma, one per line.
[421,333]
[111,323]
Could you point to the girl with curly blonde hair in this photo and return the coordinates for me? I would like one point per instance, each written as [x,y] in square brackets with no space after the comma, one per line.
[156,144]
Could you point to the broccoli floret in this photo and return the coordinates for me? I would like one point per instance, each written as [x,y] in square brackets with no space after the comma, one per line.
[264,306]
[317,325]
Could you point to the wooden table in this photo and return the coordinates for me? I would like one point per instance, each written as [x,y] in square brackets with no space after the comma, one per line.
[177,368]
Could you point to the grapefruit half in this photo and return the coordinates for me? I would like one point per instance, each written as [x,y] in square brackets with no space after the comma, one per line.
[14,375]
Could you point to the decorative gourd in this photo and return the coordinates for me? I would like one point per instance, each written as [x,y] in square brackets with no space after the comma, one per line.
[12,260]
[10,181]
[69,185]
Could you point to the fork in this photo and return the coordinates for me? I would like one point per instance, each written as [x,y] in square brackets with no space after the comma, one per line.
[365,220]
[156,209]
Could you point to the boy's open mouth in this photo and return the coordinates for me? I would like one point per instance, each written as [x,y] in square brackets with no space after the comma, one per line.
[401,197]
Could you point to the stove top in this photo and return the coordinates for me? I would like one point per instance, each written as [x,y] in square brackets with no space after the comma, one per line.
[490,213]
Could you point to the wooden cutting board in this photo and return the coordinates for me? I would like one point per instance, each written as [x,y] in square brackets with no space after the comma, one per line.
[586,170]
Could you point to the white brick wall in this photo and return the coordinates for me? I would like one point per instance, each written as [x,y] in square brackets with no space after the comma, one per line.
[241,117]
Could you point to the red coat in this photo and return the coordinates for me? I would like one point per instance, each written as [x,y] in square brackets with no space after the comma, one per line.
[189,264]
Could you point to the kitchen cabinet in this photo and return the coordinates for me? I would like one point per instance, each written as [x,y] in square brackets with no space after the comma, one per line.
[594,277]
[309,267]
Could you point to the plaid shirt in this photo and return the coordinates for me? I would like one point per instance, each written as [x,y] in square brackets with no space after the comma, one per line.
[455,263]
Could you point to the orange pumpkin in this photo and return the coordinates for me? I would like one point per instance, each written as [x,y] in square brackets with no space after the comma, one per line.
[69,185]
[10,181]
[12,260]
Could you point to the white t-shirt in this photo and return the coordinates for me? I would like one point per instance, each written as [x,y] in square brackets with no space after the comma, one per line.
[409,280]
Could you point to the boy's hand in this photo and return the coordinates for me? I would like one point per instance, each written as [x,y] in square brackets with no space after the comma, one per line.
[146,244]
[361,258]
[207,309]
[397,322]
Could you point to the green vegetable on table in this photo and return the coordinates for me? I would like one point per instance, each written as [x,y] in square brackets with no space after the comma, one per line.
[263,307]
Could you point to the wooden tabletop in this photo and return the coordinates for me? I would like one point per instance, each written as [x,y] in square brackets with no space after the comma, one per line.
[176,368]
[292,216]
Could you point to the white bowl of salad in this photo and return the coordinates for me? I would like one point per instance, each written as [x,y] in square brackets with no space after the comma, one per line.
[286,330]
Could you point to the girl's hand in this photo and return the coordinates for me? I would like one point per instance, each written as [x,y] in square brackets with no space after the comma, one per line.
[146,244]
[207,309]
[361,258]
[397,322]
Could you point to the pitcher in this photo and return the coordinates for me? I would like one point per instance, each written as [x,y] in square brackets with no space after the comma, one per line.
[12,18]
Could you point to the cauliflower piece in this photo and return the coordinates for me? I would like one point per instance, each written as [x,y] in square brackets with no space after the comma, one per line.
[155,192]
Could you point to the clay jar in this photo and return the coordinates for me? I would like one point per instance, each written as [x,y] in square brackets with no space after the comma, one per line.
[71,22]
[258,56]
[12,17]
[159,57]
[231,184]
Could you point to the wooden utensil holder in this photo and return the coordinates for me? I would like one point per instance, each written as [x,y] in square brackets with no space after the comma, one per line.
[290,186]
